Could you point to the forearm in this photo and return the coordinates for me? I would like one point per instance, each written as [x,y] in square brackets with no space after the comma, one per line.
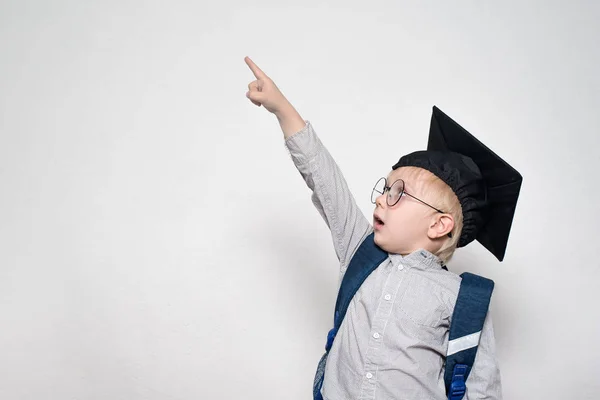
[330,193]
[289,120]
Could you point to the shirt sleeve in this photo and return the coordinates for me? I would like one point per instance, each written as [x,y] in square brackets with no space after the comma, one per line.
[330,193]
[484,380]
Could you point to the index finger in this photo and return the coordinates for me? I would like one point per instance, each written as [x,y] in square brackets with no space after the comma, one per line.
[258,73]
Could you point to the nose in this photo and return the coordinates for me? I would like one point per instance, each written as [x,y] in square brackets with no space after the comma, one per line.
[380,200]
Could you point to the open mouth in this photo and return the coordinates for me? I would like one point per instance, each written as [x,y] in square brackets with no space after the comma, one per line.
[378,222]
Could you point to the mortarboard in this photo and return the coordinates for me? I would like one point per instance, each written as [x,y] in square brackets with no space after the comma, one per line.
[486,186]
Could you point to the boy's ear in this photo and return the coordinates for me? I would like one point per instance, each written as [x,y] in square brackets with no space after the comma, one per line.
[441,225]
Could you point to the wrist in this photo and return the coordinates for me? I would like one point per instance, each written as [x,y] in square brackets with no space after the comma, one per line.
[290,120]
[286,111]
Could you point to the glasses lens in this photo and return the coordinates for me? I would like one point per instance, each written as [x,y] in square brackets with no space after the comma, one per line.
[395,192]
[377,190]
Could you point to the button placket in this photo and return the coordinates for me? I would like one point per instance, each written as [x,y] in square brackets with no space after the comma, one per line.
[376,346]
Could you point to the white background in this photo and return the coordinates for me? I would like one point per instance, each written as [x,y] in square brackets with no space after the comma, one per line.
[158,243]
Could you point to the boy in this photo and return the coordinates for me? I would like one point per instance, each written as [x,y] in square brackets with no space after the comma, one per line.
[393,340]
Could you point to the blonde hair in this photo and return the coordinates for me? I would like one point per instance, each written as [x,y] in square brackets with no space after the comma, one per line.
[443,198]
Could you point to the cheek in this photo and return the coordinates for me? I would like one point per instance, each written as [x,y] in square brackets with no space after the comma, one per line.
[407,222]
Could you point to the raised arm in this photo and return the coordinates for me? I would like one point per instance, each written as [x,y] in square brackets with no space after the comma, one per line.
[330,193]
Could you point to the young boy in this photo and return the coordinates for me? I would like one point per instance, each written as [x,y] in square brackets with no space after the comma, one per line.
[393,340]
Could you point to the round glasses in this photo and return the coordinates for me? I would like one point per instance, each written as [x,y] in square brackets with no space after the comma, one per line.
[394,193]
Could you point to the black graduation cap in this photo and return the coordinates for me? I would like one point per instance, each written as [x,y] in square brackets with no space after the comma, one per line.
[486,186]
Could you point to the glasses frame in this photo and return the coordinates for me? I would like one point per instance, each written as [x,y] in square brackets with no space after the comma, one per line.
[402,193]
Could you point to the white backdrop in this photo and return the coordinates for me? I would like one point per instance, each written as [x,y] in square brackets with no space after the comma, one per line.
[158,243]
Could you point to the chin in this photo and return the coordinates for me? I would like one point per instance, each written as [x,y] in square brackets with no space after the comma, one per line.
[379,242]
[386,246]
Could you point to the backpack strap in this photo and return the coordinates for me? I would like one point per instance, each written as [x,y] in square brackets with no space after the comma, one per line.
[364,261]
[467,321]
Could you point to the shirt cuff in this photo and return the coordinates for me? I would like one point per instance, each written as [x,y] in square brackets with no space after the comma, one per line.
[304,144]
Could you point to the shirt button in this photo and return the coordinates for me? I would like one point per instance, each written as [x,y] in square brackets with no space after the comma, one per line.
[387,297]
[400,267]
[376,335]
[369,375]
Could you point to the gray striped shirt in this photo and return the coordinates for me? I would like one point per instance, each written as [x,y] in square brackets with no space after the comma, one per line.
[394,338]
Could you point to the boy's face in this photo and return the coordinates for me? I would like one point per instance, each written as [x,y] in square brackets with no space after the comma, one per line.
[405,225]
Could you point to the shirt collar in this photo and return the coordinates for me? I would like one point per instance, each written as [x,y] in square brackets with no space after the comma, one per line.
[419,259]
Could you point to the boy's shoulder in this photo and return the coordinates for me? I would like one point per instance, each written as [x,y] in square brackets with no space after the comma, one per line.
[442,278]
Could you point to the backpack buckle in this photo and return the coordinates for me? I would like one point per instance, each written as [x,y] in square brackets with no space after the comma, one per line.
[458,387]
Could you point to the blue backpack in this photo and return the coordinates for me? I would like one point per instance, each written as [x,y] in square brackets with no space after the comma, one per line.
[465,327]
